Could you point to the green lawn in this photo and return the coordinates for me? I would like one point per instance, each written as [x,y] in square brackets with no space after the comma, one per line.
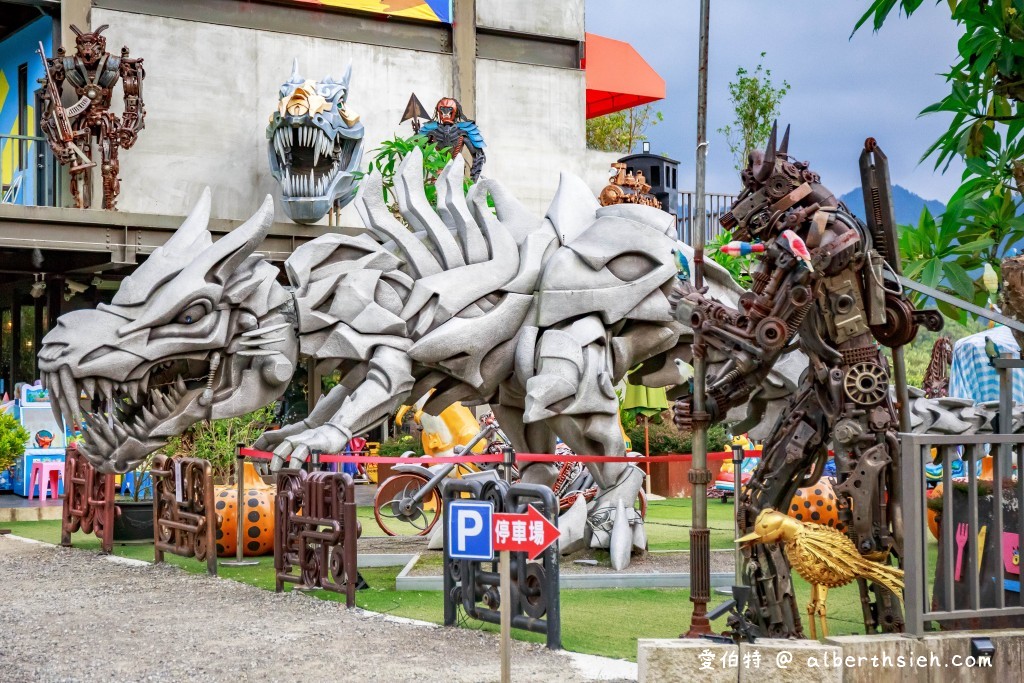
[603,622]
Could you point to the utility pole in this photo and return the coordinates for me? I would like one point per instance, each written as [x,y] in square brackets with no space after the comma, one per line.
[699,476]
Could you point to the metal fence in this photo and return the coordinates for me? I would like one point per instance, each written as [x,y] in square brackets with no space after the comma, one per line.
[981,596]
[715,206]
[29,173]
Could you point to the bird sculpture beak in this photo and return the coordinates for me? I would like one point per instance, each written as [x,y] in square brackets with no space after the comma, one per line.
[752,536]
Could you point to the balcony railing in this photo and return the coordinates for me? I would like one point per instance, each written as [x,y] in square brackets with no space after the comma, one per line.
[715,206]
[29,173]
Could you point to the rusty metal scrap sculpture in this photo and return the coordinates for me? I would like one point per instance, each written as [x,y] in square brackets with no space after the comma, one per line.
[936,375]
[627,188]
[184,519]
[448,128]
[71,132]
[88,501]
[822,275]
[315,531]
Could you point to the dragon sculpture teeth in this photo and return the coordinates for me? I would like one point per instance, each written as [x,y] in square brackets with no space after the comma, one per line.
[314,143]
[539,317]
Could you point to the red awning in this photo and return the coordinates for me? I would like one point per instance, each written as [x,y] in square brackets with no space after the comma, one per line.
[618,77]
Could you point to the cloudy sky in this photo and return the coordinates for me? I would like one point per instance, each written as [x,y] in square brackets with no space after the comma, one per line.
[843,90]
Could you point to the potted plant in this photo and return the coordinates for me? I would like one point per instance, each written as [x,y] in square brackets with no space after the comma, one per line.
[133,518]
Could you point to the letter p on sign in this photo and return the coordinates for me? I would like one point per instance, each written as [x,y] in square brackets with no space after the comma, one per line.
[468,530]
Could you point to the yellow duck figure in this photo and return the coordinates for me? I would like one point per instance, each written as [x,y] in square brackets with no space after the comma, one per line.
[824,557]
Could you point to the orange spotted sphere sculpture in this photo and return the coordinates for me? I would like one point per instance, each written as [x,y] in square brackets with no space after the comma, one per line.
[258,509]
[816,504]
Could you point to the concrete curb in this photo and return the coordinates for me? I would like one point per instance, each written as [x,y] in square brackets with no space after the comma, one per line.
[31,514]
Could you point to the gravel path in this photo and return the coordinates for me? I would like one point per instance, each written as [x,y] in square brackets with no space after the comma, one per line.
[70,615]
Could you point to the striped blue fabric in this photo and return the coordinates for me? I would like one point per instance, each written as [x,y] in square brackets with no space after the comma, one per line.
[972,376]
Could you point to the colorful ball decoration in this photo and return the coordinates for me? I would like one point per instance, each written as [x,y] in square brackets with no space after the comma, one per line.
[816,504]
[258,511]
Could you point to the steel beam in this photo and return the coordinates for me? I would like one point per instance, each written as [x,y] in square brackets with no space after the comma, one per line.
[127,235]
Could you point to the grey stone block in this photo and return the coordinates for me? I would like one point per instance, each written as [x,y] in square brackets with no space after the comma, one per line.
[777,660]
[684,659]
[874,658]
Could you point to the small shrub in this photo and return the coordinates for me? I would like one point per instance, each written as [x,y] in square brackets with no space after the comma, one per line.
[215,440]
[396,446]
[665,438]
[13,438]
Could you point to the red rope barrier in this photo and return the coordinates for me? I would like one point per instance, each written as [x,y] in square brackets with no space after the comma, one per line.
[497,458]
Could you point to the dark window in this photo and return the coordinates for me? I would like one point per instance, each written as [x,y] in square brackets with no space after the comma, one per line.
[673,185]
[655,178]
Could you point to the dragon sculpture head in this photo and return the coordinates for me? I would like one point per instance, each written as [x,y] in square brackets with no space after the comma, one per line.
[315,145]
[198,331]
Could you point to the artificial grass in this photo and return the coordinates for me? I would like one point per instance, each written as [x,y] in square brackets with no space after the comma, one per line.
[596,621]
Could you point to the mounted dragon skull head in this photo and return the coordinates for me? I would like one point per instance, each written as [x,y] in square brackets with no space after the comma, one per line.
[201,330]
[315,145]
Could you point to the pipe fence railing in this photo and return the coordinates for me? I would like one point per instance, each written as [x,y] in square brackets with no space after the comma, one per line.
[979,522]
[715,206]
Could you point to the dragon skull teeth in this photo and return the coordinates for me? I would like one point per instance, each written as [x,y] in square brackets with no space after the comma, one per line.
[135,409]
[313,142]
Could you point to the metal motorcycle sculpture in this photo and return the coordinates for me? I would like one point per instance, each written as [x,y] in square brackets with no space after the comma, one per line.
[71,132]
[821,285]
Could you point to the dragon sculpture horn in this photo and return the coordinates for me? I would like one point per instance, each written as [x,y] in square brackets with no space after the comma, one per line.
[784,147]
[346,76]
[187,238]
[295,69]
[768,163]
[221,260]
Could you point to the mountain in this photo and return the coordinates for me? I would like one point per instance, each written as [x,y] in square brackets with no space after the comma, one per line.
[907,205]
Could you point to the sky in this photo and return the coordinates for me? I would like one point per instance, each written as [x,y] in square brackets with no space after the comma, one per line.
[843,90]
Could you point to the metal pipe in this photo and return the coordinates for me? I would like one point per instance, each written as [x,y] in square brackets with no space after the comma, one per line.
[700,550]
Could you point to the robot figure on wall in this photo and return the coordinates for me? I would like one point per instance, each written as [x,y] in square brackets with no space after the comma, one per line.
[449,128]
[71,132]
[315,145]
[820,285]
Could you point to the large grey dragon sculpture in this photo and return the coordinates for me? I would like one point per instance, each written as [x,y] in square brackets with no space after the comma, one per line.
[539,317]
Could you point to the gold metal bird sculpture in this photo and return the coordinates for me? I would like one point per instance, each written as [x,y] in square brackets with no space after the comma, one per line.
[824,557]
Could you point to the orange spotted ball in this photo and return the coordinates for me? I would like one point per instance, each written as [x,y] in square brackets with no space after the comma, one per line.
[817,505]
[258,519]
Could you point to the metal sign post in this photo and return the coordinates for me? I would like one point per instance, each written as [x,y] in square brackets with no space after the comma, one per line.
[505,605]
[239,511]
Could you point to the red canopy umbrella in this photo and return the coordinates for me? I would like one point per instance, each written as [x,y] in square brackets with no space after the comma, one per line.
[618,77]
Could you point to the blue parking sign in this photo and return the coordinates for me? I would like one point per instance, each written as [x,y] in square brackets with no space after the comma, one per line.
[468,530]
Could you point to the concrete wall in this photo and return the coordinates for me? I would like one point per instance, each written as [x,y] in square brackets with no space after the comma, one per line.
[209,92]
[562,18]
[210,89]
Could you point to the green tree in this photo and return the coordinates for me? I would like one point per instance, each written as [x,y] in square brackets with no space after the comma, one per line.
[982,221]
[756,101]
[622,131]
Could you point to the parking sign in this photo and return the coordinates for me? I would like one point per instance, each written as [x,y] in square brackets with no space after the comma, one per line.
[468,530]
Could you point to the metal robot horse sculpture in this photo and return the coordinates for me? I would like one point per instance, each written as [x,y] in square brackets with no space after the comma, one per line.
[539,317]
[818,285]
[315,145]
